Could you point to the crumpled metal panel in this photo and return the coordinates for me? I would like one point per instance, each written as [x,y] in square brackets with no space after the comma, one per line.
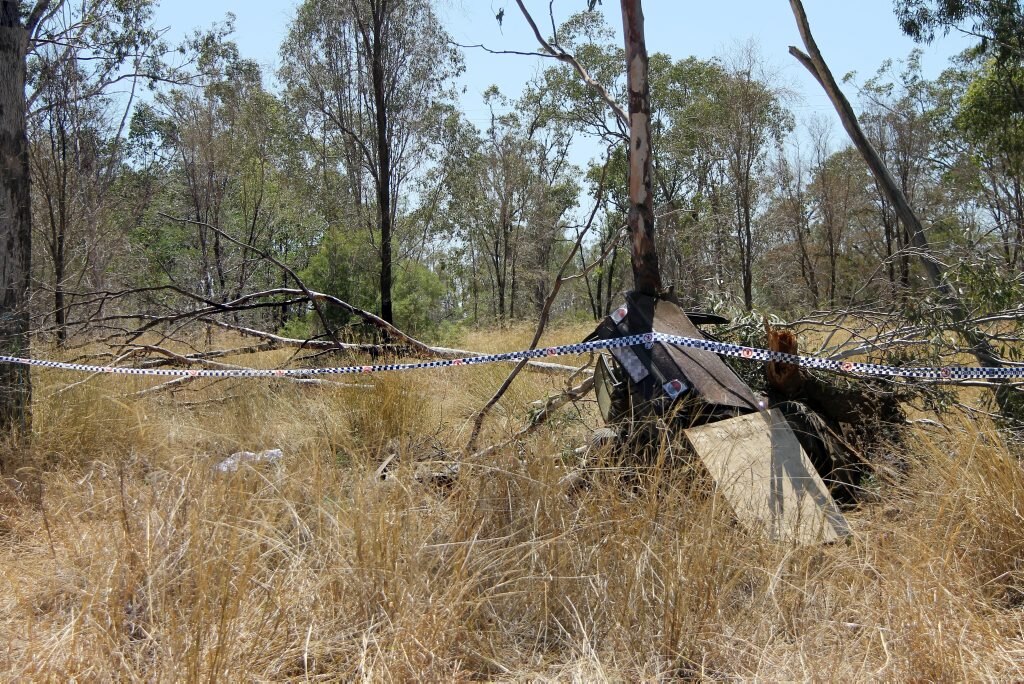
[701,374]
[712,380]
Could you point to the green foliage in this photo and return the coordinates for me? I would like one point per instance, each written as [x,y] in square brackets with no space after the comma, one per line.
[992,110]
[369,80]
[482,216]
[418,300]
[748,329]
[298,327]
[985,286]
[998,24]
[346,268]
[560,96]
[98,38]
[990,118]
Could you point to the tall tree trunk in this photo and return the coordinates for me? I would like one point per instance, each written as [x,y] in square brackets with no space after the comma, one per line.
[15,221]
[383,161]
[59,300]
[646,273]
[747,248]
[62,168]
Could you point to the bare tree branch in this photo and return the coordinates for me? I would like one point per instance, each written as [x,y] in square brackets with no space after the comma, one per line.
[980,346]
[561,55]
[269,257]
[36,15]
[551,404]
[544,314]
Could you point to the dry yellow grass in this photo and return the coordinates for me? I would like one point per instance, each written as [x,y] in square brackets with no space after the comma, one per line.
[124,556]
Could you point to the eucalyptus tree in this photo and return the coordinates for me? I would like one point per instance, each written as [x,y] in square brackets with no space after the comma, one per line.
[895,119]
[16,28]
[981,162]
[364,75]
[558,93]
[83,52]
[794,210]
[998,26]
[107,41]
[982,102]
[753,121]
[835,189]
[688,103]
[713,124]
[507,206]
[74,155]
[227,187]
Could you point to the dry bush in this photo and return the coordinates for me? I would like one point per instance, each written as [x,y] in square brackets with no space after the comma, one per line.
[125,556]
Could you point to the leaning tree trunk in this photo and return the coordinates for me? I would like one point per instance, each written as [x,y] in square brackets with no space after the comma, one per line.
[1011,401]
[15,220]
[646,274]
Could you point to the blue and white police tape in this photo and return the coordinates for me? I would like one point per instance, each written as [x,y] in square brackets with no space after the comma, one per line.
[946,373]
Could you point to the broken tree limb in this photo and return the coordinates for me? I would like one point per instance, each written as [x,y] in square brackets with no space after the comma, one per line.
[316,298]
[84,380]
[547,409]
[560,54]
[159,361]
[784,377]
[440,352]
[1010,401]
[310,344]
[215,354]
[182,359]
[162,387]
[251,301]
[269,257]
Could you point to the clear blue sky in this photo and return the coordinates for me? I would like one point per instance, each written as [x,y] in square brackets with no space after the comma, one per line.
[854,35]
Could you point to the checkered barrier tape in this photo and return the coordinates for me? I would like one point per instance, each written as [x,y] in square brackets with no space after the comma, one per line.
[947,373]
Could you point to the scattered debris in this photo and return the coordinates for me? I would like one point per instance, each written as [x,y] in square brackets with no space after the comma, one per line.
[235,460]
[439,474]
[654,382]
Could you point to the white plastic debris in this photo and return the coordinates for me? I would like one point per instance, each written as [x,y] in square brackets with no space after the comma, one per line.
[235,460]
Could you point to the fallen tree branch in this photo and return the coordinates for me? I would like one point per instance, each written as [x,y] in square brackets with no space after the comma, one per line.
[310,344]
[162,387]
[551,404]
[440,352]
[84,380]
[1009,400]
[272,259]
[182,359]
[215,354]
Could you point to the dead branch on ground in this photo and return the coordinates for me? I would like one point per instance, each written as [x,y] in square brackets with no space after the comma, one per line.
[549,407]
